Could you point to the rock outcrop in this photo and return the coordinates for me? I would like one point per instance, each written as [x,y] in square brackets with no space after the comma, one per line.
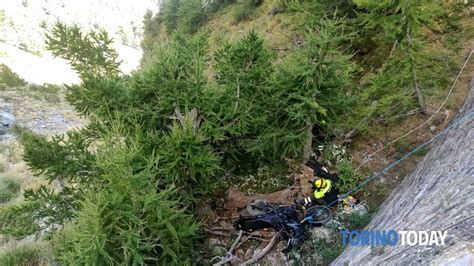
[7,119]
[437,195]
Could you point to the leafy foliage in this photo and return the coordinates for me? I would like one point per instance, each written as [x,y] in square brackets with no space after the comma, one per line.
[8,78]
[160,138]
[187,161]
[243,70]
[170,14]
[8,188]
[27,254]
[245,8]
[87,53]
[128,221]
[309,88]
[318,251]
[68,157]
[19,220]
[191,15]
[348,177]
[409,70]
[152,25]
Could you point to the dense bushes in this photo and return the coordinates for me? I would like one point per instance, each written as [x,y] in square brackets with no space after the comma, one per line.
[27,254]
[8,78]
[187,161]
[8,189]
[185,15]
[160,138]
[245,8]
[131,219]
[188,16]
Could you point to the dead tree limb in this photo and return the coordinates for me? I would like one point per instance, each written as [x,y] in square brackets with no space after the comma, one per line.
[262,253]
[217,233]
[238,96]
[307,148]
[228,257]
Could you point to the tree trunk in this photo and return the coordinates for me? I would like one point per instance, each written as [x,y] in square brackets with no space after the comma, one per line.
[307,149]
[416,85]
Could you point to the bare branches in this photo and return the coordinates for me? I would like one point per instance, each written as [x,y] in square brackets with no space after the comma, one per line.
[264,251]
[238,242]
[229,257]
[238,96]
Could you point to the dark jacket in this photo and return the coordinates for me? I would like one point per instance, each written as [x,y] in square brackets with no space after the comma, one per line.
[332,195]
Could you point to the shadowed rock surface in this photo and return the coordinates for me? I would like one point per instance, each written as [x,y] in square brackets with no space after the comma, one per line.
[437,195]
[7,119]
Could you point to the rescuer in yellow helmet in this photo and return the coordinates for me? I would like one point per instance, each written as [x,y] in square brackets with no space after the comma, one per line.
[323,186]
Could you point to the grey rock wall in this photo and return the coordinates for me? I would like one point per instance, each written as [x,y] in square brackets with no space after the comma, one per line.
[7,119]
[437,195]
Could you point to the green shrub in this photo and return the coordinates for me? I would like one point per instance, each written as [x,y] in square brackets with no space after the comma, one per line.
[128,220]
[318,252]
[3,166]
[10,78]
[268,179]
[191,15]
[128,225]
[245,8]
[355,220]
[169,14]
[348,177]
[187,161]
[26,255]
[152,26]
[9,188]
[18,220]
[46,92]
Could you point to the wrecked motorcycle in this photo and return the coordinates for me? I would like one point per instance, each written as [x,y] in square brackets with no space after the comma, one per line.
[285,219]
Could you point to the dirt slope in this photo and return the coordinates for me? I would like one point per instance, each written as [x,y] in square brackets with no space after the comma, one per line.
[437,195]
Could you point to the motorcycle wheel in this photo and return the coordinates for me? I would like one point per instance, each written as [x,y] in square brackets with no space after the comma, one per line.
[318,215]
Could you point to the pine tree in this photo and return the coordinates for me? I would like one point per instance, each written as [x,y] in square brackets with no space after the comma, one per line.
[242,70]
[170,14]
[129,216]
[409,70]
[308,90]
[114,168]
[191,15]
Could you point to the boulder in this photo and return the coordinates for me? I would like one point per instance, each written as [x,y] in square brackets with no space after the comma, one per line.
[322,233]
[7,119]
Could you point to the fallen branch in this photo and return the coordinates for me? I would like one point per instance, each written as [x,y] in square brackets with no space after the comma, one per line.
[228,257]
[264,251]
[221,228]
[228,217]
[212,232]
[248,238]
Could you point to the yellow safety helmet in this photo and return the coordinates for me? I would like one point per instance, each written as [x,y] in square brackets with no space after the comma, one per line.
[320,183]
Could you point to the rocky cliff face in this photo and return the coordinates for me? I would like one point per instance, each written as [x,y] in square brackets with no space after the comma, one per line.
[23,24]
[437,195]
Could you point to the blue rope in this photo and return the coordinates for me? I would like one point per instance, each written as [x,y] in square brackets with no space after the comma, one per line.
[462,119]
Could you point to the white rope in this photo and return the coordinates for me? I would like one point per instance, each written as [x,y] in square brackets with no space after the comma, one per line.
[426,122]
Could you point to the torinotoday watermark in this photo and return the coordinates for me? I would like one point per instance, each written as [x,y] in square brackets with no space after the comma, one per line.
[393,238]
